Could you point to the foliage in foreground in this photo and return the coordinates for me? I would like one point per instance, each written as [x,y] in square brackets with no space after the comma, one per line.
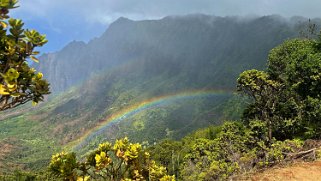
[121,161]
[19,83]
[219,152]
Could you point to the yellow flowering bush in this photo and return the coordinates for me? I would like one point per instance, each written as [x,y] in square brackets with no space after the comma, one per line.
[121,161]
[64,165]
[19,83]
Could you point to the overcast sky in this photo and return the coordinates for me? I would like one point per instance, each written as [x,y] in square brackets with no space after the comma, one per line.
[67,20]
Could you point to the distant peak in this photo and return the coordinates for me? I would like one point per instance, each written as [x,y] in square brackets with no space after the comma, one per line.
[122,20]
[74,45]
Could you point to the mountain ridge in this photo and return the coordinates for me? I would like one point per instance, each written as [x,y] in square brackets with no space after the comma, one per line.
[127,40]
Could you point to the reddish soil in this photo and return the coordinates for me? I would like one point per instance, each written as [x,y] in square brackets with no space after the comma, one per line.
[301,171]
[5,150]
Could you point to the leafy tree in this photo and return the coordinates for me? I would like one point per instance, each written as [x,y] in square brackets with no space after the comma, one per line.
[121,161]
[288,94]
[264,91]
[19,83]
[300,69]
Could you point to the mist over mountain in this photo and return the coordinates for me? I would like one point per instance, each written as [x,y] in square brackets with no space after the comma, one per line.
[221,45]
[134,61]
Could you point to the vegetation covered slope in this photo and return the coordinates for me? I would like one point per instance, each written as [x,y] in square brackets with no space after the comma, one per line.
[154,59]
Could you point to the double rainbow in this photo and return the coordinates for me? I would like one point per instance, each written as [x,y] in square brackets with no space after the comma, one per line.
[146,104]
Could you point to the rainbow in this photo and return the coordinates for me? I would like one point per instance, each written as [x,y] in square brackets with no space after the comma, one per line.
[146,104]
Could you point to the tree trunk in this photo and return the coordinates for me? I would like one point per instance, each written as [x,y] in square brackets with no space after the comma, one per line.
[270,131]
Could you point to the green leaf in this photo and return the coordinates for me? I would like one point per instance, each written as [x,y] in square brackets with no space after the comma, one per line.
[3,24]
[34,59]
[35,53]
[34,103]
[16,95]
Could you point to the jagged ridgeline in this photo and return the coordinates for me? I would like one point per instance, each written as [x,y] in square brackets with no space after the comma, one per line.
[146,79]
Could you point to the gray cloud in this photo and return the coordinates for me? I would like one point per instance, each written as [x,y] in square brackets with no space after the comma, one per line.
[66,20]
[106,11]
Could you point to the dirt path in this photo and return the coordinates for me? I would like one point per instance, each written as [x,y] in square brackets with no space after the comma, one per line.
[302,171]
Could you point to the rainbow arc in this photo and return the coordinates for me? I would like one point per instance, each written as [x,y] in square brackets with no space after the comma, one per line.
[146,104]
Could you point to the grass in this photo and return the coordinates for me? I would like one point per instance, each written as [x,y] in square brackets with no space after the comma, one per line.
[31,146]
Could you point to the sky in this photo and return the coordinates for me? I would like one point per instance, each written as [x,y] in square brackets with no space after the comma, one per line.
[66,20]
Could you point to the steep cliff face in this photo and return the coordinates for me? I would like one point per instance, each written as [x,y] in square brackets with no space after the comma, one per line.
[175,42]
[60,68]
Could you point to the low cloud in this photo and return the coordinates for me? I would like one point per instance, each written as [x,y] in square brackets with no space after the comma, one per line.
[106,11]
[66,20]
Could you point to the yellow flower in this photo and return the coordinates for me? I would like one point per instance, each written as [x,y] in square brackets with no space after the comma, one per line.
[168,178]
[132,151]
[12,87]
[12,73]
[39,75]
[3,91]
[102,160]
[119,153]
[33,70]
[147,155]
[136,173]
[34,103]
[86,178]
